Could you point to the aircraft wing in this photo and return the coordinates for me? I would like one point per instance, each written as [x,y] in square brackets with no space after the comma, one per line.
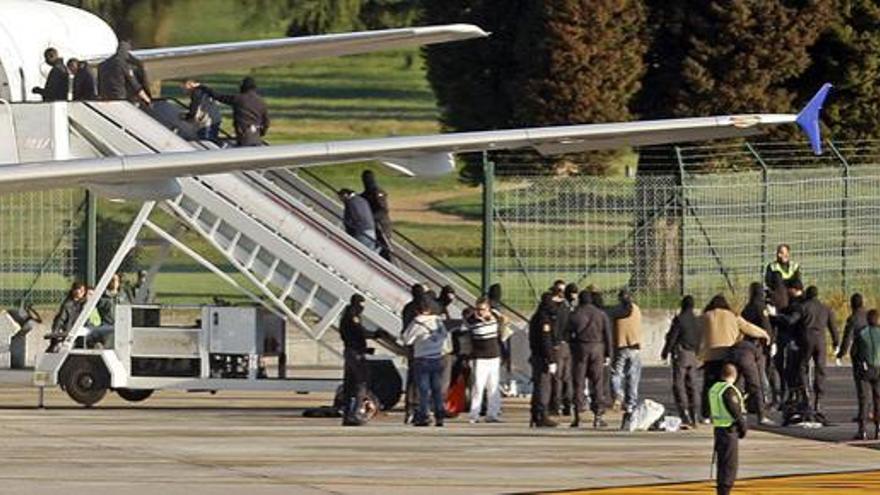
[176,62]
[416,155]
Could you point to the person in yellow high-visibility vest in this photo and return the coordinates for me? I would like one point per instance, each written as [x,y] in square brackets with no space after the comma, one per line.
[726,405]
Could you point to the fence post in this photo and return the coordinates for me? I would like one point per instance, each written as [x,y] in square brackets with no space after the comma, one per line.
[682,214]
[488,221]
[844,213]
[765,198]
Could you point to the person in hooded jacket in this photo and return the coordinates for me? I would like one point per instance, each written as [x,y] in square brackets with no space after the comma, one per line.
[378,199]
[250,116]
[857,320]
[117,80]
[83,84]
[752,356]
[682,342]
[356,374]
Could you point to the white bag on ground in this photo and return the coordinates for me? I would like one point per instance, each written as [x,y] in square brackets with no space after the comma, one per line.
[645,414]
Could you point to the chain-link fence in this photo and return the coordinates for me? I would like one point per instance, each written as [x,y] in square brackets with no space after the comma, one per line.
[37,245]
[693,220]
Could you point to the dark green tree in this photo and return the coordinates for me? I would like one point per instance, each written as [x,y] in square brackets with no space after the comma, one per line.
[546,63]
[848,55]
[579,63]
[707,58]
[145,22]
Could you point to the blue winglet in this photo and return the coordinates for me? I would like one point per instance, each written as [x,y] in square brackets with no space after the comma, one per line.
[808,119]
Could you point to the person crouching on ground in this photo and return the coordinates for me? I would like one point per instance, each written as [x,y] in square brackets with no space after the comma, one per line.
[729,421]
[427,335]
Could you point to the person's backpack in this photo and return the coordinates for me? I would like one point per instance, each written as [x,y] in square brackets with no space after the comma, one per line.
[868,346]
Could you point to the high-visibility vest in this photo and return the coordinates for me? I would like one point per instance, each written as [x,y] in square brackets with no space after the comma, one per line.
[786,274]
[721,417]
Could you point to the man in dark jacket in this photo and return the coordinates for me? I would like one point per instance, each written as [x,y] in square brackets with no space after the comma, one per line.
[358,218]
[757,314]
[378,199]
[816,318]
[67,315]
[682,342]
[57,82]
[589,330]
[354,338]
[561,395]
[857,320]
[752,355]
[866,358]
[541,343]
[783,266]
[117,80]
[83,82]
[250,117]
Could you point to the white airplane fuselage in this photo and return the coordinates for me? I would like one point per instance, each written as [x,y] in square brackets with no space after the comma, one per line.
[28,27]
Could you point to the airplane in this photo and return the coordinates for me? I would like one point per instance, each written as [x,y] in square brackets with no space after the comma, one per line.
[77,33]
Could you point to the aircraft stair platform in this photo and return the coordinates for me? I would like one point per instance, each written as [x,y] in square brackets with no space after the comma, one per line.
[302,263]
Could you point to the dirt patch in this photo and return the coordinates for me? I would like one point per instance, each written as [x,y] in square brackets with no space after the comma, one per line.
[417,209]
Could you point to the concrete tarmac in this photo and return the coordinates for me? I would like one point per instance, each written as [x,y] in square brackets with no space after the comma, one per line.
[259,443]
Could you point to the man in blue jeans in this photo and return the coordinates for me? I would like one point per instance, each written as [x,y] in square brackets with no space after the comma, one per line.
[357,218]
[627,368]
[427,337]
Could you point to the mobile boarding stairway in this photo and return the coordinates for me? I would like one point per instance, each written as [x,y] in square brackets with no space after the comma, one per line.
[303,266]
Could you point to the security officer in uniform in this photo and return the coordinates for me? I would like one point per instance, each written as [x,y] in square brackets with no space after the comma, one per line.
[729,421]
[249,113]
[682,342]
[541,344]
[589,330]
[788,270]
[354,338]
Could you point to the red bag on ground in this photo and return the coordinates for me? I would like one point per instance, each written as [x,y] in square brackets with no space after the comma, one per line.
[456,398]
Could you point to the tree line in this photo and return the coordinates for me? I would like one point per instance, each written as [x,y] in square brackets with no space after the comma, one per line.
[552,62]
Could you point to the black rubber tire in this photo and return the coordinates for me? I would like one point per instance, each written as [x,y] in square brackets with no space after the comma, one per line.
[86,381]
[134,394]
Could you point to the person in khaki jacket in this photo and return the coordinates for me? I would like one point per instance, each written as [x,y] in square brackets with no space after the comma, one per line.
[626,371]
[721,329]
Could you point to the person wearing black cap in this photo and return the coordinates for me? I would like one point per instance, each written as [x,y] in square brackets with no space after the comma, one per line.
[378,199]
[354,339]
[116,77]
[682,342]
[249,113]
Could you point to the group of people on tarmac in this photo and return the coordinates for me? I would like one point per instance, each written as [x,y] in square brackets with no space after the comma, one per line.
[123,77]
[778,344]
[103,315]
[573,337]
[366,216]
[446,354]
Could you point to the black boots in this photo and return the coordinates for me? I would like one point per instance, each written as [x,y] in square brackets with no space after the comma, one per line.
[541,420]
[598,422]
